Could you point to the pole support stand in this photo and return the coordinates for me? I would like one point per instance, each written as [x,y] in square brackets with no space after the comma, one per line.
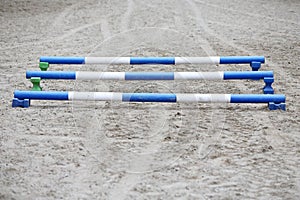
[24,103]
[255,65]
[36,83]
[44,66]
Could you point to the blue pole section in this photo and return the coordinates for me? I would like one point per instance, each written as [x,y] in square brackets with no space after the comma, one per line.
[241,59]
[247,75]
[40,95]
[152,60]
[51,74]
[149,76]
[254,98]
[62,60]
[150,97]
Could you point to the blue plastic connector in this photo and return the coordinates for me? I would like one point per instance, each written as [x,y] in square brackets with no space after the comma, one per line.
[268,89]
[24,103]
[255,65]
[277,106]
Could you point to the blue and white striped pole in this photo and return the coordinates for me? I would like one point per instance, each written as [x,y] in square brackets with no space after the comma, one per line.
[278,100]
[153,60]
[267,76]
[81,75]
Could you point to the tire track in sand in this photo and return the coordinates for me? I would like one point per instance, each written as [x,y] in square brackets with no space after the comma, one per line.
[146,158]
[217,116]
[275,139]
[105,31]
[57,23]
[248,14]
[126,18]
[141,162]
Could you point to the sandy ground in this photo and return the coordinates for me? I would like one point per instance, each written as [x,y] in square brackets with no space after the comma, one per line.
[111,150]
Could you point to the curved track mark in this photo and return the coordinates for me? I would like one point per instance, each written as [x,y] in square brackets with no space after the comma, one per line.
[126,18]
[244,13]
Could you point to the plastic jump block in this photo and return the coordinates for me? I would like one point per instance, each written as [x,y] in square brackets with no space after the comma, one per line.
[44,66]
[36,83]
[24,103]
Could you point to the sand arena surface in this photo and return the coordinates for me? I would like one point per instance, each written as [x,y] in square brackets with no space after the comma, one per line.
[112,150]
